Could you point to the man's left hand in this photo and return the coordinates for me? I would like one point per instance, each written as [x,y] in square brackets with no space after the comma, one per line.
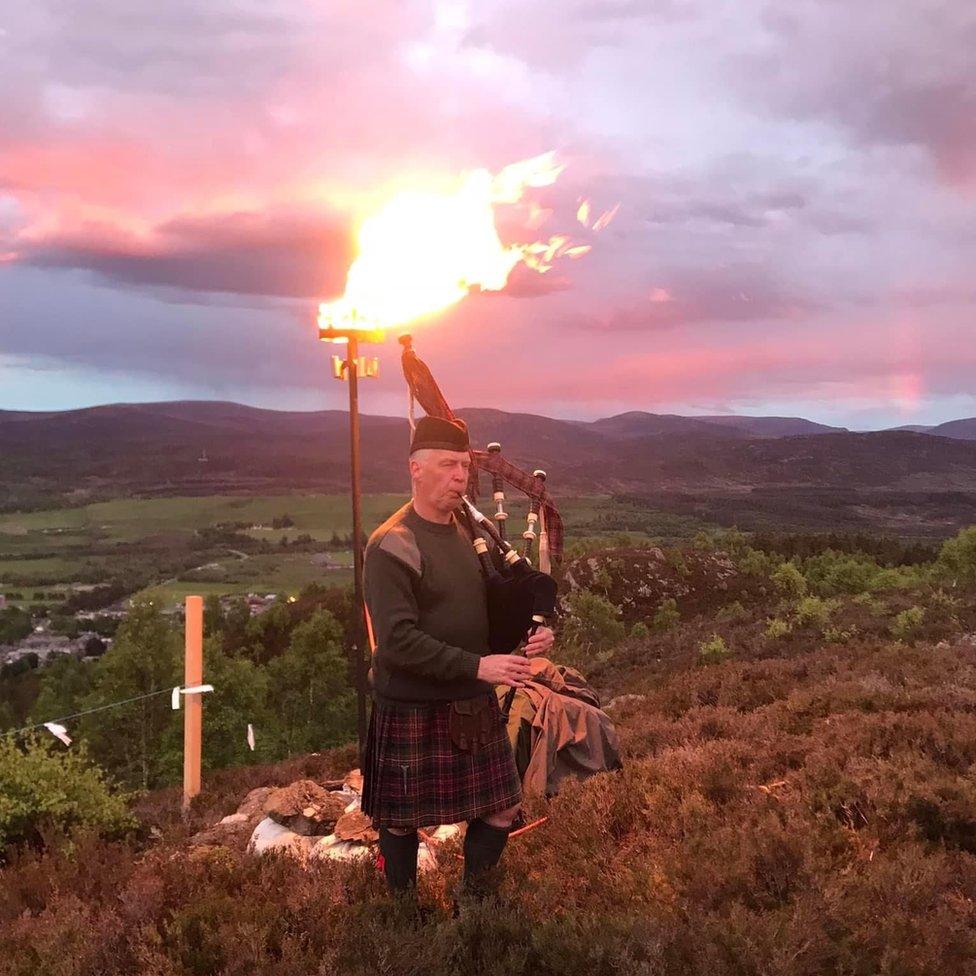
[540,642]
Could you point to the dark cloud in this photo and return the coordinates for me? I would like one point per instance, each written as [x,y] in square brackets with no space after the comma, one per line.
[253,254]
[739,294]
[901,73]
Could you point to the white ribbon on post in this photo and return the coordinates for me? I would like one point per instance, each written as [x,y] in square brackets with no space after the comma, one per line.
[191,690]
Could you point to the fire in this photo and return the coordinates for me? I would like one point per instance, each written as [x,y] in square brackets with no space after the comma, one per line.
[425,251]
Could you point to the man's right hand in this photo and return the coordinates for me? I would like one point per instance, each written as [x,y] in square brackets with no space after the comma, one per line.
[505,669]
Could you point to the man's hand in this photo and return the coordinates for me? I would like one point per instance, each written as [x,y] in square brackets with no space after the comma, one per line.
[540,642]
[505,669]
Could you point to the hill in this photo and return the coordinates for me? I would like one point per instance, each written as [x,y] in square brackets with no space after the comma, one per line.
[964,429]
[214,447]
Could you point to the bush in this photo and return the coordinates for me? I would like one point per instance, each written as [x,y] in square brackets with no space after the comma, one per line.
[732,613]
[788,580]
[44,788]
[957,558]
[834,572]
[777,628]
[754,562]
[640,629]
[836,635]
[907,624]
[813,610]
[15,624]
[713,649]
[592,624]
[667,615]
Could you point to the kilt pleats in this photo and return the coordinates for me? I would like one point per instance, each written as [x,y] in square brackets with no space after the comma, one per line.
[414,776]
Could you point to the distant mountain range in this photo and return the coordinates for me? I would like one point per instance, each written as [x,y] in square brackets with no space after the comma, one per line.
[157,448]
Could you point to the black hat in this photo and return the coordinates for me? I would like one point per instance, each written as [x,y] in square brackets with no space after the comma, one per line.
[441,434]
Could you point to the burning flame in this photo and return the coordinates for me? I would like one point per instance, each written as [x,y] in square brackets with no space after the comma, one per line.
[425,251]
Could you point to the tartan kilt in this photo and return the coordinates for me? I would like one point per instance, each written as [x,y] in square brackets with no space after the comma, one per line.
[413,775]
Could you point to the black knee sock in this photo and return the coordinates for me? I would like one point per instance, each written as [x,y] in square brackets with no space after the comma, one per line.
[483,846]
[399,859]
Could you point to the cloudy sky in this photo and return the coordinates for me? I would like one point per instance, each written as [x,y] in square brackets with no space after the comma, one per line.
[180,183]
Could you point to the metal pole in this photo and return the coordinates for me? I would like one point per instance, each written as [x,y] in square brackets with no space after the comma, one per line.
[359,628]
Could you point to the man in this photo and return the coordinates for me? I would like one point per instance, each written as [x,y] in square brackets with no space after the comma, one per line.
[437,750]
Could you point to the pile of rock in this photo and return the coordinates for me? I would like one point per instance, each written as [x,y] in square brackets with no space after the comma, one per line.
[311,821]
[638,580]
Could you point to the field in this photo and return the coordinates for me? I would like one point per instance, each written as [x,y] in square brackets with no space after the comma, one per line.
[227,544]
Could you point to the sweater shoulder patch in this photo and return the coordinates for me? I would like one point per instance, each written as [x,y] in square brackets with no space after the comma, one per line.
[400,542]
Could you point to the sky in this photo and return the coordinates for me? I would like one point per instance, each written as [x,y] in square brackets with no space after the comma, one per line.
[180,185]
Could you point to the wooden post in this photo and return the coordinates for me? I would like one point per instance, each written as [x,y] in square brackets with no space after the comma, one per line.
[192,704]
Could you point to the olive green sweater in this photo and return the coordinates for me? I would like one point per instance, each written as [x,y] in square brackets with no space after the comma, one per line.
[427,603]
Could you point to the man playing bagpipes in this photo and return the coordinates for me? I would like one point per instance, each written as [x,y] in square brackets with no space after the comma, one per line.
[437,750]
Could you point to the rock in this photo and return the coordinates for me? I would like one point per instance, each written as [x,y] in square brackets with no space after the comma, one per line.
[234,833]
[233,818]
[356,825]
[623,700]
[354,781]
[254,801]
[271,836]
[332,849]
[637,581]
[305,808]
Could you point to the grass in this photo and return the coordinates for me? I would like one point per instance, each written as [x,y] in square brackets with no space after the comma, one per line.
[132,519]
[273,573]
[154,538]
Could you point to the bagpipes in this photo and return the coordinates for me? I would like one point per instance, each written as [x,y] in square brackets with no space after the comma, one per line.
[520,598]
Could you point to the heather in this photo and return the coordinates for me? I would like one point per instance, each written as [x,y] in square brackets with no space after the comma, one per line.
[797,798]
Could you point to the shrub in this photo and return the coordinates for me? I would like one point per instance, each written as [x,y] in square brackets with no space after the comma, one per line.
[836,635]
[813,610]
[944,607]
[833,572]
[907,624]
[732,613]
[755,562]
[957,558]
[713,649]
[777,628]
[667,615]
[788,580]
[640,629]
[870,603]
[44,788]
[593,622]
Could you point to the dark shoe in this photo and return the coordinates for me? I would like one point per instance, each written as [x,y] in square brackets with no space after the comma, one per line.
[399,860]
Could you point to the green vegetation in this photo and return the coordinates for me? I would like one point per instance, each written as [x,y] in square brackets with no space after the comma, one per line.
[957,558]
[591,627]
[46,790]
[908,623]
[667,615]
[714,649]
[284,671]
